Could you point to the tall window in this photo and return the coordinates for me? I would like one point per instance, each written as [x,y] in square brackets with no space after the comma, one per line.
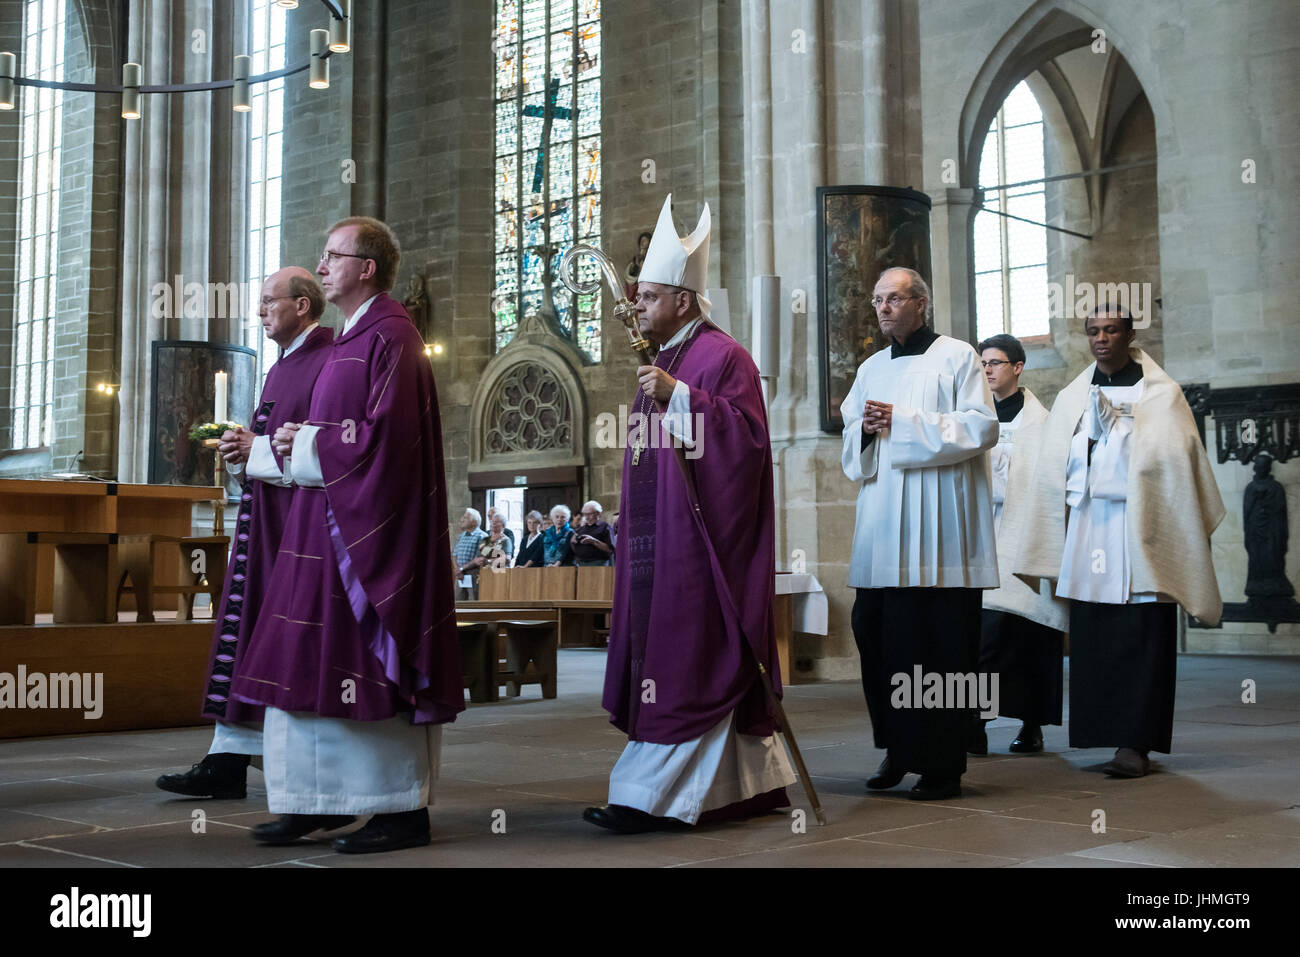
[40,152]
[1010,255]
[266,136]
[547,162]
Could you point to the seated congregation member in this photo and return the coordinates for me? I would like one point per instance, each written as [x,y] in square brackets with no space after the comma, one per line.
[592,542]
[556,537]
[1021,630]
[1121,514]
[532,553]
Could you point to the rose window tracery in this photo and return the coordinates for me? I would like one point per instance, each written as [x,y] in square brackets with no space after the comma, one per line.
[529,412]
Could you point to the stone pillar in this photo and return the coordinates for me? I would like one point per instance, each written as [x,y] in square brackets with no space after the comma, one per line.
[951,230]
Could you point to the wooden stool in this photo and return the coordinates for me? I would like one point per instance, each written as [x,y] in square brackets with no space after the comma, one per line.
[535,642]
[478,659]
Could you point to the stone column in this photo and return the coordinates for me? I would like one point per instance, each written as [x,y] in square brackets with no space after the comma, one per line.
[951,235]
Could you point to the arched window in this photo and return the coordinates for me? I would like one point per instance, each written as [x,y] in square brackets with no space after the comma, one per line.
[1011,255]
[265,168]
[547,193]
[40,166]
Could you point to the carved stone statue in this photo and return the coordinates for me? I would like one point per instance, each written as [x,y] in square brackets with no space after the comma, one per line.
[417,307]
[634,267]
[1265,527]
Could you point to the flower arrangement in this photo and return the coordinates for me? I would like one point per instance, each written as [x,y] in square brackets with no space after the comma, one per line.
[212,430]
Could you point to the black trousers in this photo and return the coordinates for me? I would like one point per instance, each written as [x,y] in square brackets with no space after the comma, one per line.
[896,630]
[1123,671]
[1028,659]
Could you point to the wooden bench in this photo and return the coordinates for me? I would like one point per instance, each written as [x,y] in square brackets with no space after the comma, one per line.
[139,556]
[522,636]
[85,576]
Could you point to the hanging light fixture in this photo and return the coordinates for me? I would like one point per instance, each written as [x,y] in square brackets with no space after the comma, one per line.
[241,84]
[324,43]
[7,67]
[320,64]
[130,91]
[341,30]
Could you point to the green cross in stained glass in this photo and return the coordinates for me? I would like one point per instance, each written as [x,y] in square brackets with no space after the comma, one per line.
[547,112]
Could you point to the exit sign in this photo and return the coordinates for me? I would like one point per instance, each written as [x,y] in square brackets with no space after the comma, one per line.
[521,479]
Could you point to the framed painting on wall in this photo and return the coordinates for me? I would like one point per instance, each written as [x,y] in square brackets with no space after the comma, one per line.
[183,386]
[861,232]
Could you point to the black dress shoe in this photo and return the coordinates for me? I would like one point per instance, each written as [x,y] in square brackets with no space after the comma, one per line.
[885,777]
[288,828]
[216,776]
[387,832]
[977,739]
[1029,740]
[629,820]
[935,789]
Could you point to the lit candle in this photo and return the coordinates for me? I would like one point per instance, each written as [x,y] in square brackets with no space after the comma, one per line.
[220,401]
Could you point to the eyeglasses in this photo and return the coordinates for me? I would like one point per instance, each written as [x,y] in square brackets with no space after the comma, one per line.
[894,301]
[329,256]
[994,363]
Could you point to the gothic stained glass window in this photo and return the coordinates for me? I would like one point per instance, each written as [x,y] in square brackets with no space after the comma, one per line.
[547,193]
[40,151]
[265,170]
[1010,255]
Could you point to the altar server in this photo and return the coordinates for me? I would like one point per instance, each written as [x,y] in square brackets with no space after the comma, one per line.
[918,423]
[1122,456]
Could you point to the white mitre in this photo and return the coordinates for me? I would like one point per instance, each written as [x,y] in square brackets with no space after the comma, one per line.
[672,261]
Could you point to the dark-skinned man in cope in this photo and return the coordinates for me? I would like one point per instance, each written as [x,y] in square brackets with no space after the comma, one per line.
[1120,518]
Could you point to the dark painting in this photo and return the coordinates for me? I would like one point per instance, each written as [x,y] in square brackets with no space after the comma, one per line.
[861,232]
[183,387]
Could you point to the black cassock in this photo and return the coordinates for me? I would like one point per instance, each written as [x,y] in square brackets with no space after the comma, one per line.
[897,629]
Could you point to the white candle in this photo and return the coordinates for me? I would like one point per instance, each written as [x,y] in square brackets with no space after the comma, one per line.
[220,398]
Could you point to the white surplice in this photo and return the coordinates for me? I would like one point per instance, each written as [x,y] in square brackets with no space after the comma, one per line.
[316,765]
[714,770]
[1095,566]
[925,513]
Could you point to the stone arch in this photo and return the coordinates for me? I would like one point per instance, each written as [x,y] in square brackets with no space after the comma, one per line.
[529,410]
[1084,134]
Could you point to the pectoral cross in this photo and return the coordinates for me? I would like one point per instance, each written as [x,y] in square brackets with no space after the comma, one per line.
[636,452]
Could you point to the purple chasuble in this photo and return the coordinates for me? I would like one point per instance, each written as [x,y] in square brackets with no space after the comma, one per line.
[671,623]
[385,498]
[263,509]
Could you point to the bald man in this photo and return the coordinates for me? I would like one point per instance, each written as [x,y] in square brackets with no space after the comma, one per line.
[290,309]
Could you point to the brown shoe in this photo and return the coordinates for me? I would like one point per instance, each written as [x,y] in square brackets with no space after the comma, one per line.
[1127,763]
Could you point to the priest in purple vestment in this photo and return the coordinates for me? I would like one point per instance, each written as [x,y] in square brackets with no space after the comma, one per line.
[355,653]
[290,309]
[693,589]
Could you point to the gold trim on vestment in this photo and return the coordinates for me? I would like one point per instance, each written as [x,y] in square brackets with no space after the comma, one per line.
[373,530]
[399,588]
